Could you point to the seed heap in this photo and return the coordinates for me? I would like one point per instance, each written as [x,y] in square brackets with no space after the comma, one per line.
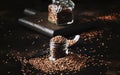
[67,64]
[58,47]
[91,35]
[59,61]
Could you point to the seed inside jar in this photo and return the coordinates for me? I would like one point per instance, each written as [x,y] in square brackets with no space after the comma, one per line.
[58,47]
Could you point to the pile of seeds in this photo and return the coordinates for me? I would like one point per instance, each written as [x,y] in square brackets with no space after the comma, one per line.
[109,17]
[92,34]
[72,62]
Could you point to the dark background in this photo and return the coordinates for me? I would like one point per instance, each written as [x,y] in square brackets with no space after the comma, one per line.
[19,4]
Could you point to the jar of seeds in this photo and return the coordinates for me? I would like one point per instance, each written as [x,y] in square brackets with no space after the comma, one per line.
[61,12]
[58,47]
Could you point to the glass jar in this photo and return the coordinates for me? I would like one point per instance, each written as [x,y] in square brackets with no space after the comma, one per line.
[60,12]
[58,50]
[59,46]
